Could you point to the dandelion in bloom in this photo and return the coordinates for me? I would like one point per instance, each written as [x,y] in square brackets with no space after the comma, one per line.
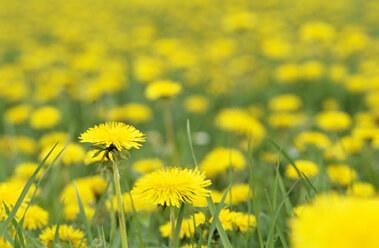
[171,186]
[66,233]
[115,138]
[337,221]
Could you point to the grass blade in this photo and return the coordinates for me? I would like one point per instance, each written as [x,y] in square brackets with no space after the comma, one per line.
[190,142]
[23,194]
[300,174]
[56,235]
[19,231]
[252,186]
[273,223]
[224,238]
[178,225]
[215,216]
[83,215]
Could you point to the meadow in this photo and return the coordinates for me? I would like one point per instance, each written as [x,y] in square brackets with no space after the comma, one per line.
[203,123]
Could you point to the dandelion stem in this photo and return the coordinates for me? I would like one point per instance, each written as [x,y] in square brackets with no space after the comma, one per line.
[120,209]
[172,220]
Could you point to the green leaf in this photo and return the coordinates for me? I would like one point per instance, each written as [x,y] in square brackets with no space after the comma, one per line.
[82,214]
[19,231]
[23,194]
[99,204]
[215,216]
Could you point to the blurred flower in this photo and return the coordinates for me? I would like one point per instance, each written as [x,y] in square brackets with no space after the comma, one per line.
[219,159]
[286,102]
[333,120]
[35,218]
[236,220]
[76,236]
[286,120]
[147,165]
[18,114]
[341,173]
[187,229]
[287,73]
[45,117]
[196,104]
[24,171]
[138,203]
[162,89]
[309,168]
[361,189]
[327,220]
[317,139]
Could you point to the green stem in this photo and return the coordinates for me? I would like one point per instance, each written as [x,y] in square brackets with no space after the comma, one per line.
[120,209]
[172,220]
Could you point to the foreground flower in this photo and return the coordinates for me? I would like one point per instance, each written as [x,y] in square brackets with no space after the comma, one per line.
[113,135]
[338,222]
[65,233]
[171,186]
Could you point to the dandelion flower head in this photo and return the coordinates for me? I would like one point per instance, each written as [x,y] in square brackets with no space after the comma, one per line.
[337,221]
[117,134]
[171,186]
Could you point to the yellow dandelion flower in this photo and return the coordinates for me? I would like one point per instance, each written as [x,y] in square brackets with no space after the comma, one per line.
[187,229]
[147,165]
[196,104]
[361,189]
[137,112]
[341,173]
[287,73]
[162,89]
[309,168]
[18,114]
[240,193]
[170,186]
[201,201]
[270,157]
[71,211]
[237,220]
[333,120]
[113,135]
[138,203]
[76,236]
[286,120]
[24,171]
[317,139]
[45,117]
[286,102]
[50,139]
[241,122]
[219,160]
[35,218]
[73,154]
[338,222]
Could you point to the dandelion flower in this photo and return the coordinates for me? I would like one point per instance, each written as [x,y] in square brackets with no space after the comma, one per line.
[196,104]
[162,89]
[113,135]
[219,160]
[286,102]
[333,120]
[338,222]
[171,186]
[147,165]
[341,173]
[187,230]
[24,171]
[361,189]
[45,117]
[138,203]
[18,114]
[237,220]
[76,236]
[309,168]
[35,218]
[317,139]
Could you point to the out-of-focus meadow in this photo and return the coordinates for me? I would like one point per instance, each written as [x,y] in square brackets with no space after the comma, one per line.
[279,98]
